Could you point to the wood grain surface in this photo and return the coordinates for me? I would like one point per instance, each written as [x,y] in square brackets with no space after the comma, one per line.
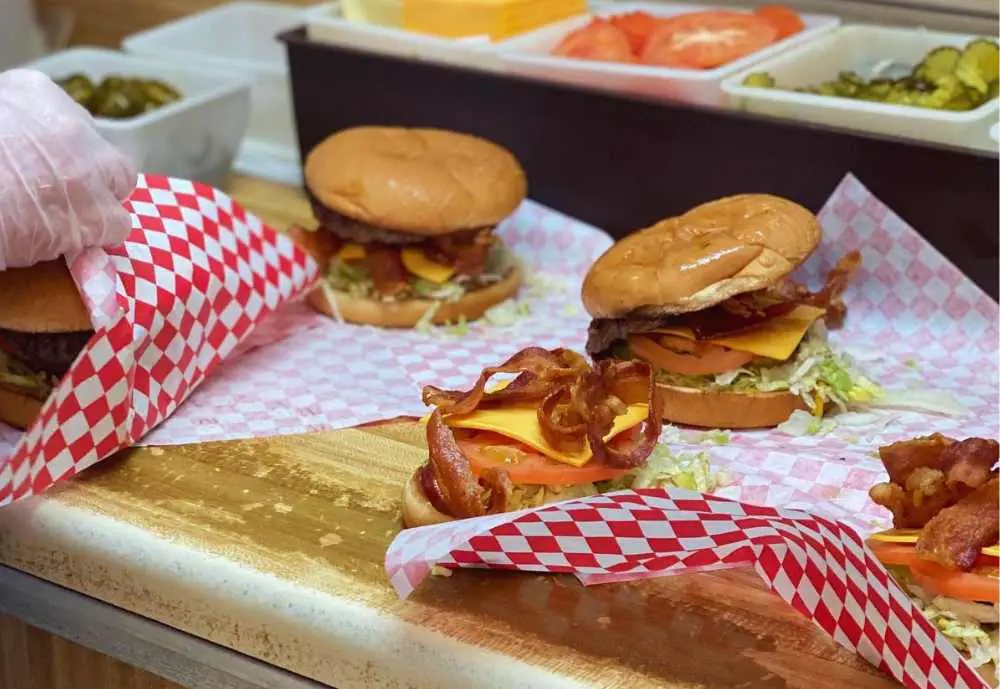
[320,509]
[33,659]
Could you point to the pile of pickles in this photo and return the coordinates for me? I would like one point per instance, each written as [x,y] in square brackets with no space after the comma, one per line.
[117,97]
[946,79]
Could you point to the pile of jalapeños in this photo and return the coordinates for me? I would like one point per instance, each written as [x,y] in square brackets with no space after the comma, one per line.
[946,79]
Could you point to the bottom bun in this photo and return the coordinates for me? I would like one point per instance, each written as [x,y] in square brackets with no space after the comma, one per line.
[407,313]
[989,673]
[17,409]
[727,409]
[417,509]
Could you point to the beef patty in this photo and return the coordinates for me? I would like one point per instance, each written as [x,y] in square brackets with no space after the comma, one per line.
[51,353]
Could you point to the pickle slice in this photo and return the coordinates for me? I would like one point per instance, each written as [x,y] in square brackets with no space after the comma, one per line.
[979,65]
[938,63]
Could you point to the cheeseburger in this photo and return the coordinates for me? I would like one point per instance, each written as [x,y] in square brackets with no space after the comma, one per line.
[560,429]
[705,298]
[407,221]
[43,327]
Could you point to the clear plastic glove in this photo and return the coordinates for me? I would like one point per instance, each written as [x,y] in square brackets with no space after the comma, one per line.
[61,184]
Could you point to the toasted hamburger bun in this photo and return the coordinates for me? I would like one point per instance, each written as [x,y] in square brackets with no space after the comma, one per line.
[711,253]
[726,408]
[17,409]
[407,313]
[42,298]
[423,181]
[417,509]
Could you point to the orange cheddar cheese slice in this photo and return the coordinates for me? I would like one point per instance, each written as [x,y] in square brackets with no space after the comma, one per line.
[774,339]
[911,536]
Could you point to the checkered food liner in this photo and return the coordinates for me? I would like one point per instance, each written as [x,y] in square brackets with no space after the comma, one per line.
[301,371]
[914,322]
[817,565]
[190,282]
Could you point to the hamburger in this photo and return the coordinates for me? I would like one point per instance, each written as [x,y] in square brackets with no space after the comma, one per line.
[560,429]
[407,221]
[944,497]
[43,327]
[705,298]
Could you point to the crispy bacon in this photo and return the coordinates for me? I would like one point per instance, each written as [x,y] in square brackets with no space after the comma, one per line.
[538,369]
[943,486]
[385,266]
[464,251]
[461,492]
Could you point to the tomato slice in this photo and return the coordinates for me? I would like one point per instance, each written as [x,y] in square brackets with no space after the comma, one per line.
[487,450]
[969,586]
[637,26]
[894,553]
[687,357]
[786,20]
[598,40]
[703,40]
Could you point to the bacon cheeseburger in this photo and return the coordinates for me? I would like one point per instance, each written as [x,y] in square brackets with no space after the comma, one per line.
[43,327]
[560,429]
[406,220]
[944,496]
[705,298]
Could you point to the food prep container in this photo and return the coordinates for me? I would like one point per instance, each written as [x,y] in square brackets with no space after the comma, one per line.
[860,48]
[195,137]
[530,55]
[240,36]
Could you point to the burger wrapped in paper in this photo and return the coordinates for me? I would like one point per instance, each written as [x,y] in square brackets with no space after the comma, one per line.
[556,428]
[406,225]
[706,300]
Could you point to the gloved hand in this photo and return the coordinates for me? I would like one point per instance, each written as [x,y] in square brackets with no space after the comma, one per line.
[61,184]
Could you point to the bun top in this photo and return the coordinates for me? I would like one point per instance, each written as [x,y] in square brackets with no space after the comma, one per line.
[42,299]
[696,260]
[423,181]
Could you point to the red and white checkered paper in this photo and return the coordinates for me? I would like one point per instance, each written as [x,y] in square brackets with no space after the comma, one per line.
[301,371]
[817,565]
[914,321]
[191,281]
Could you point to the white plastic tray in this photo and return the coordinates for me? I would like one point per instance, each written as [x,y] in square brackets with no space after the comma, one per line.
[196,137]
[241,36]
[326,24]
[530,55]
[860,48]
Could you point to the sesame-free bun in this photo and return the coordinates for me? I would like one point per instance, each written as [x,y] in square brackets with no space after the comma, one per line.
[422,181]
[408,312]
[715,408]
[42,299]
[18,410]
[417,509]
[696,260]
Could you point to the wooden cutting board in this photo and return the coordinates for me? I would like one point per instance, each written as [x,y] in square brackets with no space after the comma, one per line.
[319,510]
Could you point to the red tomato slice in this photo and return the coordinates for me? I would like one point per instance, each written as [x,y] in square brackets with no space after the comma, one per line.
[487,450]
[968,586]
[637,27]
[687,357]
[894,553]
[598,40]
[786,20]
[703,40]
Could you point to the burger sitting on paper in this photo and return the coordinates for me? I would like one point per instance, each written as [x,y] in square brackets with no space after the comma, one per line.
[705,299]
[61,191]
[406,225]
[944,496]
[561,428]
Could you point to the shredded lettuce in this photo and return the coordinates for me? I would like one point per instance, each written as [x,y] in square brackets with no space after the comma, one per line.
[527,496]
[802,423]
[506,313]
[715,436]
[968,636]
[933,401]
[664,468]
[816,373]
[461,327]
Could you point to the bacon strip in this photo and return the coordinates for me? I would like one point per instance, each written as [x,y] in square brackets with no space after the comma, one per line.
[538,370]
[466,252]
[955,535]
[385,266]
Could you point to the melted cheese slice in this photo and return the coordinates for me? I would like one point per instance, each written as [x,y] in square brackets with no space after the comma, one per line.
[416,262]
[351,252]
[775,339]
[911,536]
[498,19]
